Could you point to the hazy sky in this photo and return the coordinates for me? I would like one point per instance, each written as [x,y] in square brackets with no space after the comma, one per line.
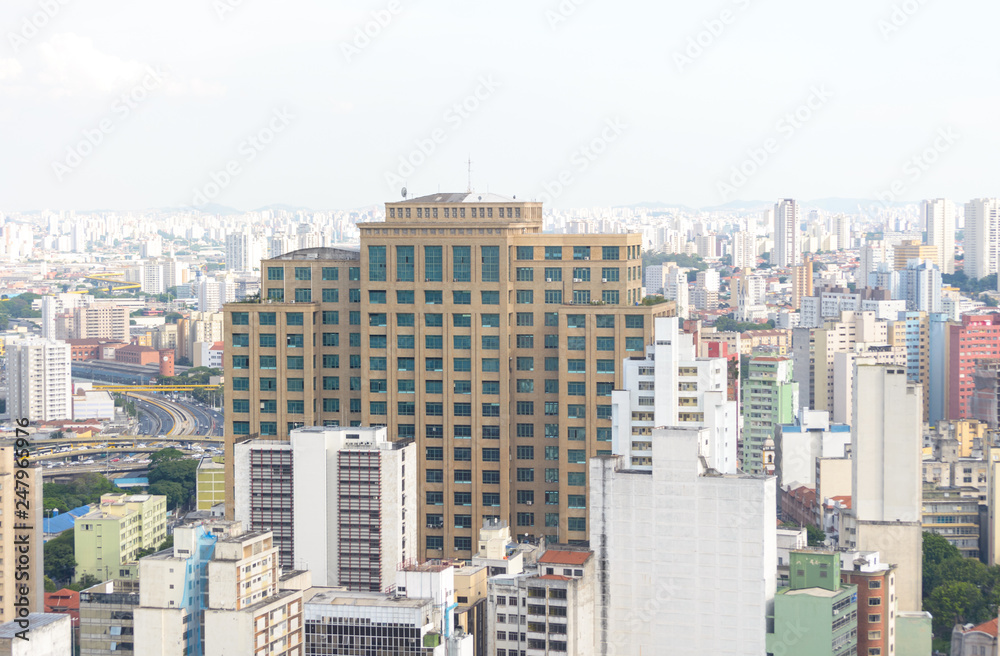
[128,105]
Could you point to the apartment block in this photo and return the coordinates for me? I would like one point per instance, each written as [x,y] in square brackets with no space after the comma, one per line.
[953,513]
[107,618]
[38,374]
[101,321]
[982,234]
[876,586]
[210,484]
[219,591]
[112,534]
[770,399]
[800,444]
[453,326]
[787,246]
[975,338]
[673,552]
[338,500]
[550,611]
[13,491]
[671,386]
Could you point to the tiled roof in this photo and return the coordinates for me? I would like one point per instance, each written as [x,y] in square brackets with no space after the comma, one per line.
[565,557]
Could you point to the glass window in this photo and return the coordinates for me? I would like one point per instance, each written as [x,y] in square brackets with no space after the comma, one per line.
[296,362]
[404,319]
[634,321]
[490,297]
[609,252]
[576,366]
[553,297]
[491,342]
[275,273]
[432,264]
[404,263]
[330,273]
[490,263]
[268,340]
[265,318]
[525,252]
[605,343]
[553,274]
[433,341]
[266,362]
[491,365]
[553,252]
[581,252]
[462,364]
[524,319]
[525,296]
[525,341]
[490,320]
[525,364]
[581,274]
[461,262]
[276,294]
[609,274]
[578,342]
[294,319]
[525,274]
[434,387]
[376,263]
[462,342]
[581,296]
[610,296]
[303,273]
[405,342]
[330,317]
[376,296]
[241,318]
[433,297]
[605,321]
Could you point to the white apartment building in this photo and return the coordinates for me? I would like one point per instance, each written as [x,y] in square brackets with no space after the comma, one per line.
[744,250]
[787,248]
[873,253]
[982,236]
[338,500]
[39,380]
[653,279]
[799,445]
[939,218]
[671,386]
[548,611]
[213,293]
[709,279]
[687,558]
[220,592]
[886,446]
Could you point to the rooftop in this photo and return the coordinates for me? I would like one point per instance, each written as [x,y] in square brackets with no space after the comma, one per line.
[338,597]
[321,253]
[463,197]
[565,557]
[989,628]
[9,630]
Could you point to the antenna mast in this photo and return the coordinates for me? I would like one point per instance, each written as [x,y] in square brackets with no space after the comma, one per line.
[469,188]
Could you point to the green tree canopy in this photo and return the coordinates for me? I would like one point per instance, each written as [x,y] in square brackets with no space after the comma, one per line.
[60,557]
[173,491]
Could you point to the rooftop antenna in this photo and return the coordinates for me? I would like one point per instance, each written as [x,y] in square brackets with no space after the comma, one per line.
[469,189]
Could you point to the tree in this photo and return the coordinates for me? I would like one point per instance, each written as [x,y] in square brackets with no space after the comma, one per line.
[86,581]
[953,603]
[815,535]
[174,492]
[60,557]
[50,585]
[163,455]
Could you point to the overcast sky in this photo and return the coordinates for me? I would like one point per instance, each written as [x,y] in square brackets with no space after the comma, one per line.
[130,105]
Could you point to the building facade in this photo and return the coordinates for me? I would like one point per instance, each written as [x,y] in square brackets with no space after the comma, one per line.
[452,326]
[770,399]
[38,374]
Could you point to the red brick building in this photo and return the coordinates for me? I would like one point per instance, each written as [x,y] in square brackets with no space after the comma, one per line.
[977,337]
[876,605]
[135,354]
[799,505]
[89,349]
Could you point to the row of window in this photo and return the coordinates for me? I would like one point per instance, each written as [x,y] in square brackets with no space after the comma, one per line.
[380,363]
[459,297]
[407,319]
[579,252]
[305,273]
[454,212]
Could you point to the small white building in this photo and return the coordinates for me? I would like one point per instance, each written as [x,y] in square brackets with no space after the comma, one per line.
[800,444]
[93,404]
[46,634]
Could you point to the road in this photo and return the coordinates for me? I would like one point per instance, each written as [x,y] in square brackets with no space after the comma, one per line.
[153,419]
[162,415]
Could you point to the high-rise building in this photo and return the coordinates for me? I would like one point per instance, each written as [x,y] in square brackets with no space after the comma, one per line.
[914,250]
[744,250]
[801,443]
[787,250]
[876,583]
[922,282]
[671,386]
[215,292]
[452,326]
[886,448]
[101,321]
[916,338]
[15,492]
[653,279]
[770,399]
[38,375]
[982,237]
[336,500]
[671,552]
[976,338]
[817,613]
[802,282]
[939,217]
[107,618]
[842,228]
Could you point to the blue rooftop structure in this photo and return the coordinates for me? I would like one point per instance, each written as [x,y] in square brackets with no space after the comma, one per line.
[60,522]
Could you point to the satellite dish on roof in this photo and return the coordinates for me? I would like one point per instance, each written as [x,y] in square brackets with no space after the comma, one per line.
[404,192]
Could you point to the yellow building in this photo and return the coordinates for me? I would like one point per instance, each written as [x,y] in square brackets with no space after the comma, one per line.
[967,431]
[211,483]
[459,324]
[112,534]
[913,250]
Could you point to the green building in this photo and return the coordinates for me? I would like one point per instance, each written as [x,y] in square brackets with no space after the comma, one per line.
[816,614]
[770,398]
[211,483]
[109,538]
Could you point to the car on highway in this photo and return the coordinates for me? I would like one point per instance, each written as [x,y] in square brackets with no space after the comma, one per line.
[115,459]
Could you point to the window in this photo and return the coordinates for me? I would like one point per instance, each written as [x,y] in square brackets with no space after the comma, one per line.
[463,409]
[268,428]
[376,297]
[377,341]
[579,342]
[434,542]
[241,427]
[553,274]
[268,384]
[491,365]
[405,342]
[525,385]
[576,410]
[525,452]
[576,366]
[461,263]
[605,366]
[581,274]
[296,407]
[526,519]
[463,387]
[294,319]
[491,477]
[404,320]
[276,294]
[491,432]
[491,387]
[525,252]
[330,273]
[581,297]
[354,317]
[633,344]
[634,321]
[241,384]
[404,364]
[525,296]
[576,478]
[577,523]
[609,252]
[295,384]
[330,317]
[462,364]
[525,430]
[490,298]
[551,408]
[525,474]
[491,342]
[552,497]
[404,263]
[331,339]
[576,456]
[435,453]
[460,297]
[434,475]
[553,297]
[275,273]
[605,343]
[576,433]
[605,321]
[553,252]
[433,320]
[433,342]
[551,384]
[432,264]
[464,543]
[525,274]
[330,295]
[526,497]
[462,342]
[265,318]
[354,295]
[241,405]
[433,297]
[525,319]
[525,364]
[241,318]
[491,499]
[405,296]
[577,500]
[525,408]
[551,475]
[378,408]
[377,363]
[576,389]
[490,271]
[243,361]
[376,263]
[241,340]
[610,296]
[609,274]
[491,455]
[581,252]
[525,341]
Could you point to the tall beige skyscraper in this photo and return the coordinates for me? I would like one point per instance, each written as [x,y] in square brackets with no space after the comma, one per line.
[461,325]
[11,489]
[939,217]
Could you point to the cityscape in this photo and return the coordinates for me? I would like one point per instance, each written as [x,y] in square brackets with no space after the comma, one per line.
[572,329]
